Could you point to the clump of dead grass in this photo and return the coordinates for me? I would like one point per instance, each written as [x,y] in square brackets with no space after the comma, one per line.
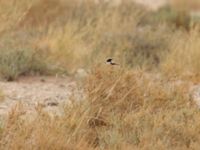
[121,110]
[183,57]
[78,34]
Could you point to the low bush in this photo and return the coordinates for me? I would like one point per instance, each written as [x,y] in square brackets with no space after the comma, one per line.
[14,63]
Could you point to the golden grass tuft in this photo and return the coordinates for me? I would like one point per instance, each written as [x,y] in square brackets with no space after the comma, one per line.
[121,110]
[184,55]
[41,13]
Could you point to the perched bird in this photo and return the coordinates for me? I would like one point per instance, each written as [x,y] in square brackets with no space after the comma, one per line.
[110,62]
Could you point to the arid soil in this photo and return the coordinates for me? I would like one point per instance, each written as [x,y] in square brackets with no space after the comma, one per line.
[152,4]
[50,93]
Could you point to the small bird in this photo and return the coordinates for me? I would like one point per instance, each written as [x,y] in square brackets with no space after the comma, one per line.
[109,61]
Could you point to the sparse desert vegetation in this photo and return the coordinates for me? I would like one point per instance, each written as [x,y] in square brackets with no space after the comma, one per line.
[145,103]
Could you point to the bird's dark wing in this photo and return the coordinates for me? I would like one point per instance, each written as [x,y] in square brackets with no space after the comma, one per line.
[109,60]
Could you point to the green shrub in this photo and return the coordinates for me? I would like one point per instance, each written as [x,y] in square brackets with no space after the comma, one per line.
[16,62]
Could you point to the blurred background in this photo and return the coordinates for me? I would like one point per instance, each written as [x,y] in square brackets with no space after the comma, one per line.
[61,36]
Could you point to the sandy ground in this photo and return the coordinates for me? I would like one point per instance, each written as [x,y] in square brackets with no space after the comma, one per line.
[50,93]
[152,4]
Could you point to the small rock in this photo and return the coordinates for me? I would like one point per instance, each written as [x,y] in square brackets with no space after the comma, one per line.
[52,104]
[42,80]
[81,74]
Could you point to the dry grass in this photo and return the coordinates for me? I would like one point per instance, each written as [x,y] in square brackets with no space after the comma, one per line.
[78,34]
[184,55]
[184,4]
[74,35]
[121,110]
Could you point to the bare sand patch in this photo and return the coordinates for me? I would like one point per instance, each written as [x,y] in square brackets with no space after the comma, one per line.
[49,92]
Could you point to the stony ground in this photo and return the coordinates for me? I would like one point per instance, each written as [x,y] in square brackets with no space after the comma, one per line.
[50,93]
